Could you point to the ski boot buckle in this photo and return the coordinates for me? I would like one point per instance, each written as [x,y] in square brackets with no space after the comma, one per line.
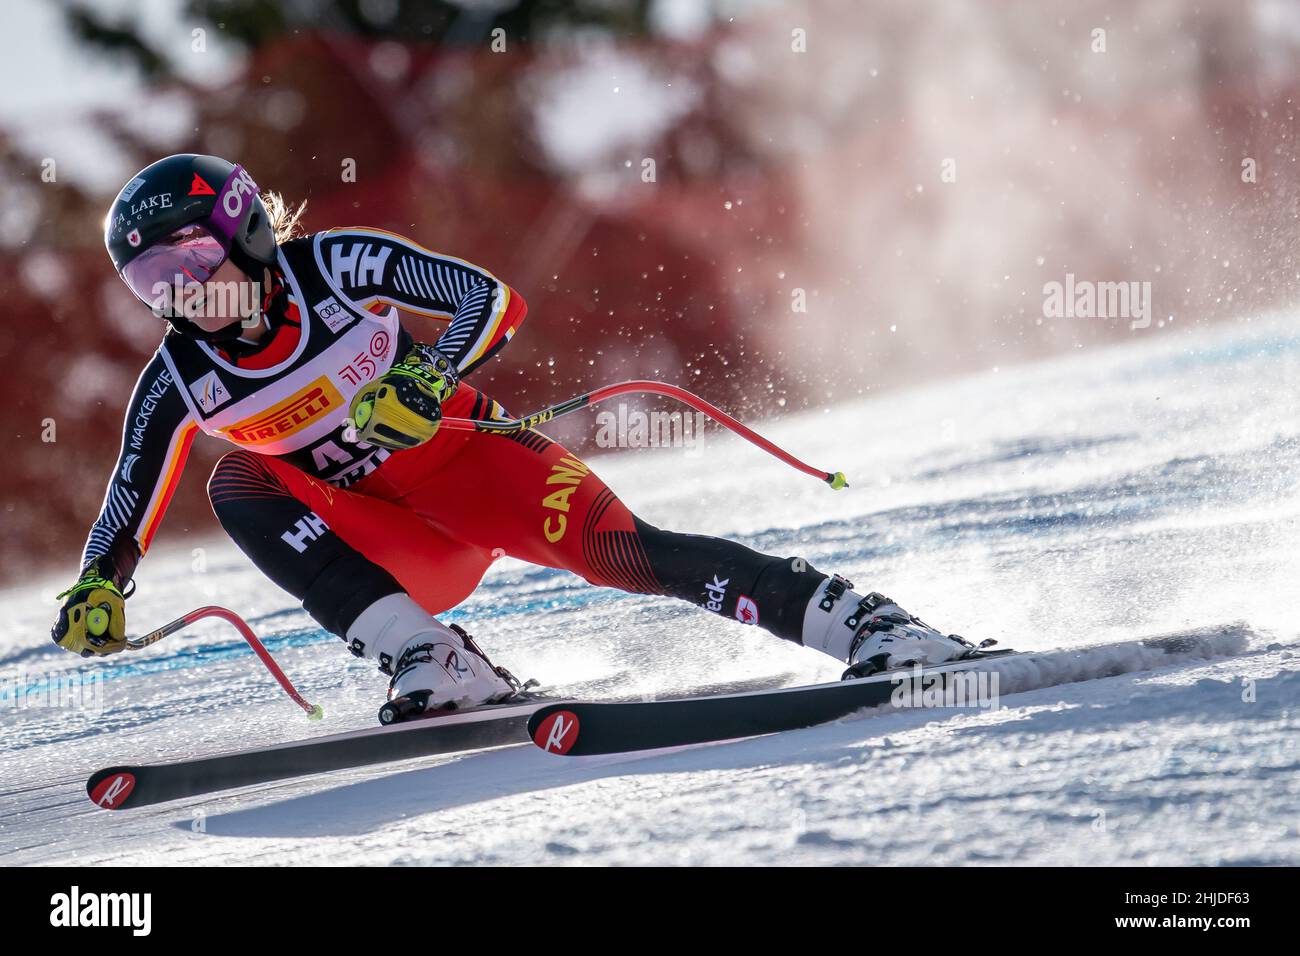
[835,589]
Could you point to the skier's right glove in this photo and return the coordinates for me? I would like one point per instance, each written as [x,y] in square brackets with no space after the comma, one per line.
[92,620]
[403,407]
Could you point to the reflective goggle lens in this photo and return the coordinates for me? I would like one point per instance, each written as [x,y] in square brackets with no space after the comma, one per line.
[190,255]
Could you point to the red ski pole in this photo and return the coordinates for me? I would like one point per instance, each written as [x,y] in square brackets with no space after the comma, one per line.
[833,478]
[314,711]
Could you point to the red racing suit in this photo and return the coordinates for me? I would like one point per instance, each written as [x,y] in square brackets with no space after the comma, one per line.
[340,525]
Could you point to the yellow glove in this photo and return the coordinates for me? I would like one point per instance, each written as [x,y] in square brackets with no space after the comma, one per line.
[92,620]
[403,407]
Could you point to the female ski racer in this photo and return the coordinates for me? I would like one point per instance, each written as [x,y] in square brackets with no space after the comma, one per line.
[342,489]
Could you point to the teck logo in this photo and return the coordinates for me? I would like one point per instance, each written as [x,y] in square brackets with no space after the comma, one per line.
[715,594]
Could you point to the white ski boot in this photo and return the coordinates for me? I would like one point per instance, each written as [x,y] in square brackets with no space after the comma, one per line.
[432,666]
[872,633]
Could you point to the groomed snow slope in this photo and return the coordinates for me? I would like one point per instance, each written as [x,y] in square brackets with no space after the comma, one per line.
[1119,493]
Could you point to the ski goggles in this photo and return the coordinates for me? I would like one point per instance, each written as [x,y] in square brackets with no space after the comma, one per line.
[159,276]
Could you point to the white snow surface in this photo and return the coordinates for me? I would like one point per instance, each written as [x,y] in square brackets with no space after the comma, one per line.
[1115,494]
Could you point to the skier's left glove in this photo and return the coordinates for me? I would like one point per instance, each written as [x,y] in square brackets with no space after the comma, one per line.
[403,407]
[92,620]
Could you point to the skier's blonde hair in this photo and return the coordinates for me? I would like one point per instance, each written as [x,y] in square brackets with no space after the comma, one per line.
[285,220]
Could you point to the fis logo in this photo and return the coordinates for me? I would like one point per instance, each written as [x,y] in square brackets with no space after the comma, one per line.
[209,392]
[715,594]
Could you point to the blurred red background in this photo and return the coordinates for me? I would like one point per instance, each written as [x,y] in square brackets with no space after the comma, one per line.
[777,172]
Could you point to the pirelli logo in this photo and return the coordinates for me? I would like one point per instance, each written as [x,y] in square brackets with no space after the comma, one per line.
[292,415]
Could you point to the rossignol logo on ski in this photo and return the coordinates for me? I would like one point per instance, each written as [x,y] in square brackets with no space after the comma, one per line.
[557,733]
[113,790]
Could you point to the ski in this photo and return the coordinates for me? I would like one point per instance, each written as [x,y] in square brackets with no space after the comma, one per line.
[124,787]
[580,728]
[413,732]
[719,712]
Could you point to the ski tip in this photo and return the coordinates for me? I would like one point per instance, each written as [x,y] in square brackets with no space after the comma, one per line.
[837,480]
[111,788]
[316,713]
[554,729]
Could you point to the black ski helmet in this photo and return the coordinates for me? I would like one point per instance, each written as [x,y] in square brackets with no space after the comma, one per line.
[183,190]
